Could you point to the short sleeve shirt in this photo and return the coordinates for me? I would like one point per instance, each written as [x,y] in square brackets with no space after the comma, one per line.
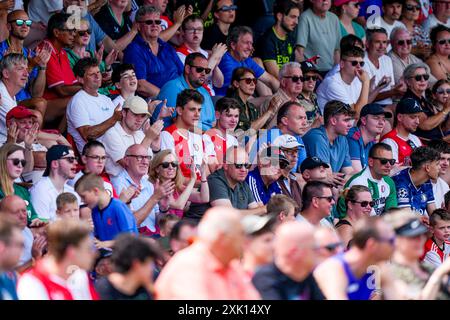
[97,35]
[358,150]
[271,47]
[109,24]
[261,193]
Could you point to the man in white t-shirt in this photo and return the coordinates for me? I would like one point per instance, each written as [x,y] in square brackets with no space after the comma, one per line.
[89,113]
[440,15]
[392,10]
[350,85]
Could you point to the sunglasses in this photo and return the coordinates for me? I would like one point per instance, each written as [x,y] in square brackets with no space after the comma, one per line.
[21,22]
[151,22]
[443,41]
[97,158]
[69,30]
[357,5]
[70,159]
[243,165]
[410,7]
[309,78]
[201,69]
[384,161]
[364,204]
[347,108]
[165,165]
[295,78]
[82,33]
[249,80]
[441,91]
[329,198]
[139,158]
[421,77]
[228,8]
[356,62]
[333,246]
[402,42]
[16,162]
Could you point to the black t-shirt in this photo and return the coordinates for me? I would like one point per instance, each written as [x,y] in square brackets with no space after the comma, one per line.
[272,284]
[109,25]
[107,291]
[271,47]
[211,36]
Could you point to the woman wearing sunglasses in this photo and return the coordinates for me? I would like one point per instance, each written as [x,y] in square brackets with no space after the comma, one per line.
[441,98]
[164,166]
[347,11]
[12,163]
[439,62]
[420,39]
[359,203]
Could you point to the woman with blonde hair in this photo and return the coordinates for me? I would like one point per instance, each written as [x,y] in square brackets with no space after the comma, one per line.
[165,167]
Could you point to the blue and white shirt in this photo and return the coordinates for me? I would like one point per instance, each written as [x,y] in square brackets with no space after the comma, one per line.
[259,190]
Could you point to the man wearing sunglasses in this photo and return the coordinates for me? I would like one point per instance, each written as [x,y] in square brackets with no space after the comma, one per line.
[440,15]
[61,167]
[317,202]
[308,97]
[195,74]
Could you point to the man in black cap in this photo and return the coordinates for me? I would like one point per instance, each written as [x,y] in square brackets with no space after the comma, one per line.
[61,167]
[361,138]
[401,138]
[308,98]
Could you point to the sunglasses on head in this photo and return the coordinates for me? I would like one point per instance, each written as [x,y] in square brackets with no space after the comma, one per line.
[201,69]
[249,80]
[70,159]
[16,162]
[228,8]
[402,42]
[364,204]
[356,62]
[441,91]
[165,165]
[443,41]
[329,198]
[21,22]
[151,22]
[82,33]
[410,7]
[384,161]
[243,165]
[420,77]
[295,78]
[309,78]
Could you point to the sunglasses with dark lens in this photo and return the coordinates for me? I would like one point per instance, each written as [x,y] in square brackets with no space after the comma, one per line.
[443,41]
[410,7]
[357,5]
[201,69]
[356,62]
[152,22]
[309,78]
[295,78]
[70,159]
[16,162]
[228,8]
[402,42]
[384,161]
[364,204]
[249,80]
[421,77]
[442,91]
[243,165]
[329,198]
[165,165]
[21,22]
[82,33]
[333,246]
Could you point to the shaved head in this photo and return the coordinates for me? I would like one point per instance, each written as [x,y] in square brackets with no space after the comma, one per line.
[15,207]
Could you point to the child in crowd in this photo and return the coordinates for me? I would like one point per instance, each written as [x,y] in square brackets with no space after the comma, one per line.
[67,206]
[437,248]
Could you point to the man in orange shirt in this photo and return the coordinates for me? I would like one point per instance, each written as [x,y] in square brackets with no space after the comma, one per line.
[209,269]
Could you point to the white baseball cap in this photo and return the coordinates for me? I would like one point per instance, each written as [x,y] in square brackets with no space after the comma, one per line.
[286,141]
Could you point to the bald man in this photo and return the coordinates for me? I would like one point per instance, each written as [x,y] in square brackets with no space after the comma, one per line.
[209,269]
[290,277]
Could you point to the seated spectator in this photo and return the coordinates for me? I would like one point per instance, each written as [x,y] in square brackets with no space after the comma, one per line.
[317,201]
[263,179]
[131,129]
[128,281]
[194,77]
[314,169]
[67,206]
[308,97]
[89,113]
[348,41]
[373,242]
[192,35]
[258,243]
[440,16]
[10,243]
[182,235]
[401,56]
[219,243]
[392,11]
[125,81]
[189,147]
[328,244]
[437,248]
[240,48]
[283,208]
[318,34]
[358,204]
[110,216]
[69,245]
[224,12]
[291,84]
[376,177]
[290,277]
[349,85]
[165,169]
[276,46]
[166,224]
[401,139]
[414,189]
[438,61]
[328,142]
[114,20]
[440,186]
[348,11]
[155,60]
[361,138]
[227,186]
[61,167]
[440,95]
[145,202]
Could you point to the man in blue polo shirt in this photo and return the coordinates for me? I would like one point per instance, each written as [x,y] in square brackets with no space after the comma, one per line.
[155,61]
[414,188]
[362,137]
[195,73]
[263,179]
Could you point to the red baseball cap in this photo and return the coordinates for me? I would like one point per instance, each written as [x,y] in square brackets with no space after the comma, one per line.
[19,112]
[338,3]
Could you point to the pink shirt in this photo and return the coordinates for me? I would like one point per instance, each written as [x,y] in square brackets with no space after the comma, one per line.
[195,274]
